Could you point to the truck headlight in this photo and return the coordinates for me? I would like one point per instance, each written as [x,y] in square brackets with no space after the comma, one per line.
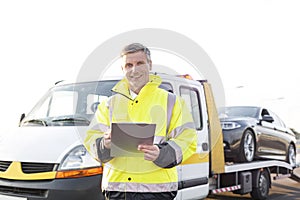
[78,163]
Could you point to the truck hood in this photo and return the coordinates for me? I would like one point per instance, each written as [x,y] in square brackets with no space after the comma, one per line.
[40,144]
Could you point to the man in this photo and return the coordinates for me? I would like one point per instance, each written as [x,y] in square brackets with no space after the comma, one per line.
[138,99]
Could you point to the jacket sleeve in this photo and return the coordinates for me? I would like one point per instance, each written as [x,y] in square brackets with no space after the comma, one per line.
[93,139]
[181,139]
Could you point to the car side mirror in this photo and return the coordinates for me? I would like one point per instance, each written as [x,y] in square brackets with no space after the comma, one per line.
[267,118]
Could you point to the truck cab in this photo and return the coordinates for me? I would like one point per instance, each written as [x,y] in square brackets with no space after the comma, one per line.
[44,158]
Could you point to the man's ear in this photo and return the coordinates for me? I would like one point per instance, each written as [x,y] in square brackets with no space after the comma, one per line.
[150,65]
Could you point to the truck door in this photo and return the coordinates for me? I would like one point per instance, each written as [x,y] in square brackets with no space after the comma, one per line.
[193,178]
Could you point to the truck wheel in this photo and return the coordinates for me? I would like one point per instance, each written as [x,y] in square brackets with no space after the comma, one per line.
[261,190]
[247,147]
[291,155]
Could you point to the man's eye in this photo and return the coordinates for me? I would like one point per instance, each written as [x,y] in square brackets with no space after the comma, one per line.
[140,63]
[128,65]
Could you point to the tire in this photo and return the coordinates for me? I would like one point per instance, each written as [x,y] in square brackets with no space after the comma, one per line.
[291,155]
[261,190]
[247,147]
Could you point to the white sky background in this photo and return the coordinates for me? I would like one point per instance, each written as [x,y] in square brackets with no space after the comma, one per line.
[254,44]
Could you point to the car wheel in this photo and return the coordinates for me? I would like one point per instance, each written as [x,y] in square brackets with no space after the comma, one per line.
[247,147]
[291,155]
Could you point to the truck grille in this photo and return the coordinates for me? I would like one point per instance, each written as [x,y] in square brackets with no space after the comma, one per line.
[23,191]
[30,168]
[4,165]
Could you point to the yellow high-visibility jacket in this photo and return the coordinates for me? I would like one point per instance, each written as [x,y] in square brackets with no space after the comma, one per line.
[178,143]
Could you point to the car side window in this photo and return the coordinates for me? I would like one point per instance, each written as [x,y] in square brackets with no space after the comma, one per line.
[283,124]
[277,120]
[191,98]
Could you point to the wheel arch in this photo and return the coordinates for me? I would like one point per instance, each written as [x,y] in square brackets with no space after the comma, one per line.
[294,164]
[255,176]
[259,191]
[294,145]
[250,128]
[242,157]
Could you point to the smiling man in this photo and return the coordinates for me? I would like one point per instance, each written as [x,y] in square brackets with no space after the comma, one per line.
[136,65]
[138,99]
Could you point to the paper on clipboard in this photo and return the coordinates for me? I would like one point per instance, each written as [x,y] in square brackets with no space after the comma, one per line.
[125,138]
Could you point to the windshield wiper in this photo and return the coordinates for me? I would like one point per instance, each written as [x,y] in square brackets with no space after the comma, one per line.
[36,121]
[71,119]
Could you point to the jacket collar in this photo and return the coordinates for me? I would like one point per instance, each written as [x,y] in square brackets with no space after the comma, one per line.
[122,87]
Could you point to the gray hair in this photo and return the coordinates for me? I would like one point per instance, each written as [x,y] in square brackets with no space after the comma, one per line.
[135,47]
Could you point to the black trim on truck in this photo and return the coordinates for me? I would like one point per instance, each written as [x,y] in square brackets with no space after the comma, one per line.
[57,189]
[192,183]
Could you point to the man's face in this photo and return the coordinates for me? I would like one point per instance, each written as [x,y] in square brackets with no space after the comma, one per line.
[136,68]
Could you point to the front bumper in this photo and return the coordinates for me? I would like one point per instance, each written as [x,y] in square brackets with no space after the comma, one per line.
[58,189]
[231,141]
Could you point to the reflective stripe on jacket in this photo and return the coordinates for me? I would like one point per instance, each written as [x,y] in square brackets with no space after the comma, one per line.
[134,174]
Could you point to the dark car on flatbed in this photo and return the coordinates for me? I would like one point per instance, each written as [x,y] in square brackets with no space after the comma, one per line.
[251,133]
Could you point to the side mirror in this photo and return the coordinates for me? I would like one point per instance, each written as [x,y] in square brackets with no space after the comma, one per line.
[94,106]
[267,118]
[21,118]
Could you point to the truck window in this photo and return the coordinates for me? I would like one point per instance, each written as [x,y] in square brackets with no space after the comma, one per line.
[63,103]
[93,100]
[191,98]
[69,104]
[166,86]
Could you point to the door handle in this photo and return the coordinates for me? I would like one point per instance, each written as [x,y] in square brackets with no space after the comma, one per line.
[205,146]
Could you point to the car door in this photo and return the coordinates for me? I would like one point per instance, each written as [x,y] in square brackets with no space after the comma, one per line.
[281,140]
[267,135]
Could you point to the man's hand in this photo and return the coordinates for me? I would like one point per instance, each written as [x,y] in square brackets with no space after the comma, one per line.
[107,139]
[151,152]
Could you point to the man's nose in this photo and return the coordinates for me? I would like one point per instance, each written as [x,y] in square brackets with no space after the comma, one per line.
[133,69]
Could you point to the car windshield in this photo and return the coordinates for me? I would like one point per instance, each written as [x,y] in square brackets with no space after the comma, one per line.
[69,105]
[239,111]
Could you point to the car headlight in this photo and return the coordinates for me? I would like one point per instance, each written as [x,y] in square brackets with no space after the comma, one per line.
[229,125]
[78,163]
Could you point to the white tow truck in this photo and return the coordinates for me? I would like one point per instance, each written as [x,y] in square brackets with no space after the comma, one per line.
[44,158]
[208,173]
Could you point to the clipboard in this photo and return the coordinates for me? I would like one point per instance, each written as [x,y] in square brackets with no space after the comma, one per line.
[125,138]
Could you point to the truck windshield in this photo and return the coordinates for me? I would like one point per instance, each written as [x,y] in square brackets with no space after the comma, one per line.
[69,105]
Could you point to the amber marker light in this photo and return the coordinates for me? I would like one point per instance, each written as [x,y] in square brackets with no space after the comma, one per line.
[186,76]
[79,173]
